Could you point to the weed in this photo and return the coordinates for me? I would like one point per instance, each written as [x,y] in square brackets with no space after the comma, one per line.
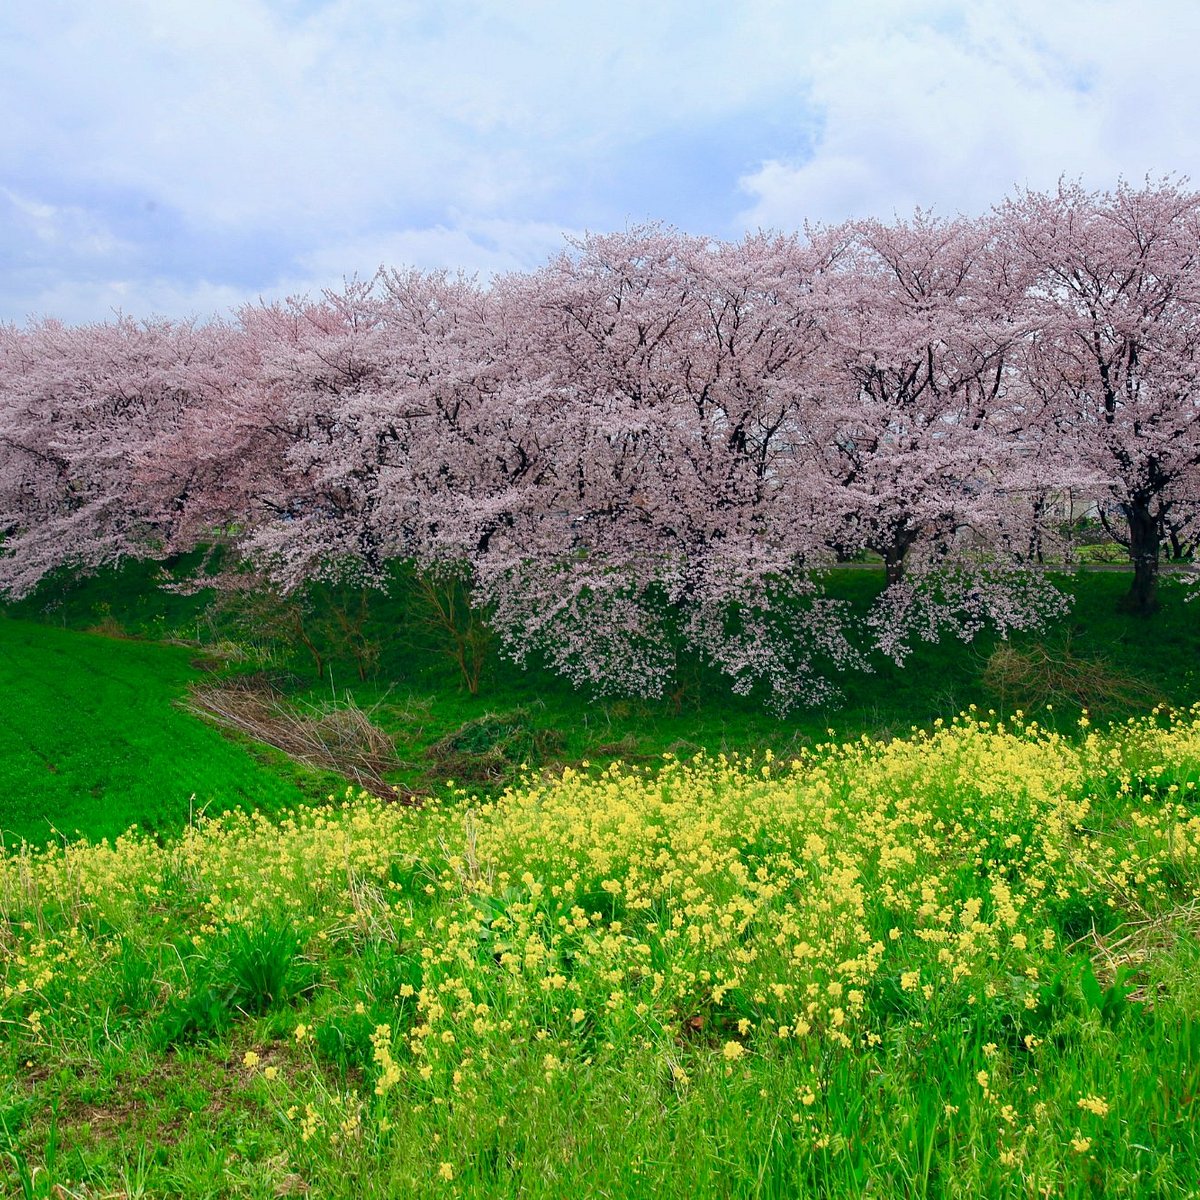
[135,986]
[494,746]
[339,737]
[260,965]
[1038,675]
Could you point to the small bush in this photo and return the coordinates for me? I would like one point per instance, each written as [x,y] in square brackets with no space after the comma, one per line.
[1044,674]
[1102,553]
[135,985]
[245,971]
[494,746]
[199,1014]
[260,966]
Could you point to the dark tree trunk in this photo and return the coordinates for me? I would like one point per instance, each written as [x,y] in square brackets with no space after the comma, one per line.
[1181,551]
[1142,597]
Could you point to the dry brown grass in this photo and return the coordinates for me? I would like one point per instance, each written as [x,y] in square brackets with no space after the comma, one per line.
[1040,674]
[493,747]
[1128,951]
[341,738]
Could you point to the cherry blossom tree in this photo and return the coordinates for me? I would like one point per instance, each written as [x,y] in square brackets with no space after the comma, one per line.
[81,412]
[674,502]
[1116,354]
[324,412]
[917,430]
[399,424]
[656,444]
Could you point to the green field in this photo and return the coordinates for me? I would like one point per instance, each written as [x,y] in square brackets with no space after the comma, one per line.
[962,964]
[90,740]
[866,950]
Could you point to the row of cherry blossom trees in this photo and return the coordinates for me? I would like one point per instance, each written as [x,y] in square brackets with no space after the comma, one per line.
[658,440]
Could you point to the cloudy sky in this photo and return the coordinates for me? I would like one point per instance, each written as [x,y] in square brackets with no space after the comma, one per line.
[181,157]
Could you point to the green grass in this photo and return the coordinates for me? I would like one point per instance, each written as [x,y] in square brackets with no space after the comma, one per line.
[134,760]
[136,978]
[980,945]
[421,700]
[91,740]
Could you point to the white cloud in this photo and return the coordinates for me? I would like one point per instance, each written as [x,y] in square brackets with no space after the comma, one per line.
[484,247]
[236,110]
[954,113]
[169,150]
[69,230]
[80,300]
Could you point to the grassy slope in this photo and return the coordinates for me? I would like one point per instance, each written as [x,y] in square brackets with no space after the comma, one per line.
[90,739]
[420,700]
[125,1065]
[1162,652]
[956,966]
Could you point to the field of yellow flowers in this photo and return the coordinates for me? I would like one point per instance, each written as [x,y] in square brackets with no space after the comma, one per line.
[962,963]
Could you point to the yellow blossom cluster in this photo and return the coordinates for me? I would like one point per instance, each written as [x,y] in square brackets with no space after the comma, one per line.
[729,907]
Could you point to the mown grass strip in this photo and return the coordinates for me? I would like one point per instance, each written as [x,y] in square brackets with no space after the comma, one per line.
[90,740]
